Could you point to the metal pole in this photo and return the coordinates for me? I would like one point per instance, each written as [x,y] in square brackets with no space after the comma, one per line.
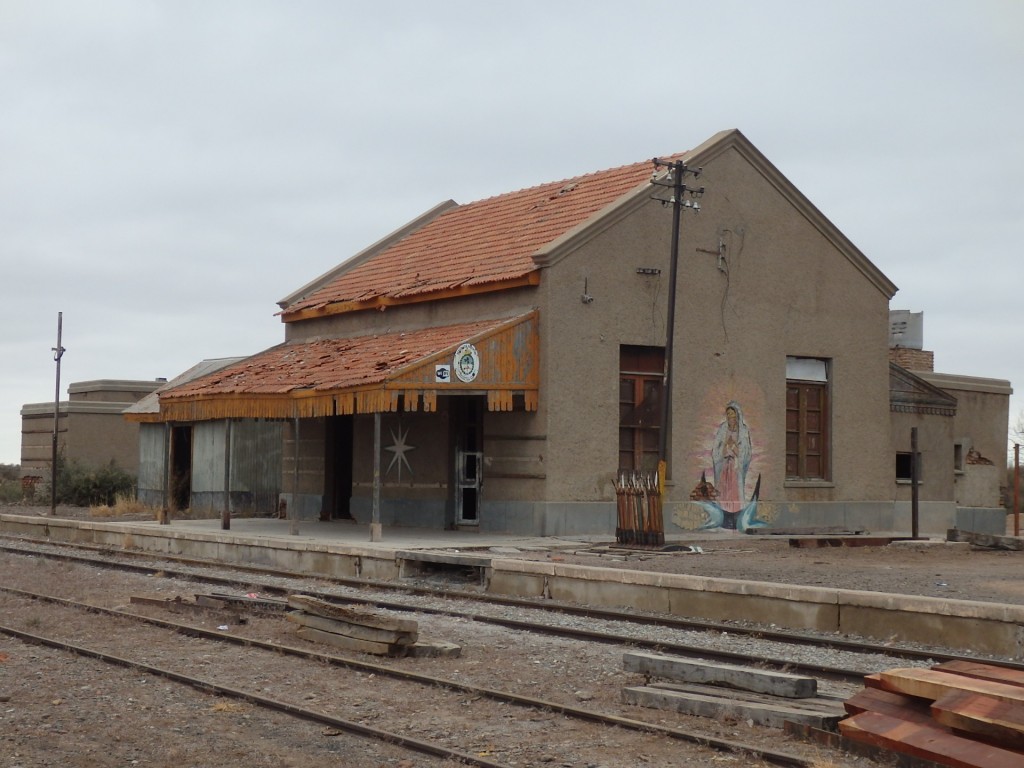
[293,519]
[375,529]
[58,353]
[1016,489]
[913,484]
[225,516]
[165,513]
[666,395]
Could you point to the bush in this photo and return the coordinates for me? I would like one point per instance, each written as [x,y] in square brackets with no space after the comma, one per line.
[11,490]
[84,488]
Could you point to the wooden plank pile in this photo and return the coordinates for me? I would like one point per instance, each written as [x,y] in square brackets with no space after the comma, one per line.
[963,714]
[728,691]
[361,630]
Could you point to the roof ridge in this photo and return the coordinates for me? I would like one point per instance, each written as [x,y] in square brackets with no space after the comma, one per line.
[565,181]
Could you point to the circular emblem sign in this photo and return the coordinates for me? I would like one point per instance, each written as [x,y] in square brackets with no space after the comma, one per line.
[467,363]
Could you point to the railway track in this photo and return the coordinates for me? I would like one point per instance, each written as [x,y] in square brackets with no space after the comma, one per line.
[462,604]
[143,563]
[531,736]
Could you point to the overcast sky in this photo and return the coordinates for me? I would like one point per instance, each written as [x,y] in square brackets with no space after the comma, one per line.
[170,169]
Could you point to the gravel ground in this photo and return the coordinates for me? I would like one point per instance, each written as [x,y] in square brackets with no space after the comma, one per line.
[56,710]
[60,710]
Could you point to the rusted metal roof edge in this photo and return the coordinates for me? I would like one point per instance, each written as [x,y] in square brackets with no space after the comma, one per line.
[396,390]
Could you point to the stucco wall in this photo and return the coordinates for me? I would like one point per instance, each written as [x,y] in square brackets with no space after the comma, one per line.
[982,414]
[935,444]
[498,304]
[782,288]
[981,426]
[92,431]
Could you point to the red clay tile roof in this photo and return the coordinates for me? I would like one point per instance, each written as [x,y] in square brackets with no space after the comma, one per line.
[477,244]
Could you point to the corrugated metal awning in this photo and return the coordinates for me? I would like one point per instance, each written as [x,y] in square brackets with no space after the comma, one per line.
[368,374]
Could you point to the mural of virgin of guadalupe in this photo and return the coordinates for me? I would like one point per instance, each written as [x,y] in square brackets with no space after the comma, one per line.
[725,500]
[730,457]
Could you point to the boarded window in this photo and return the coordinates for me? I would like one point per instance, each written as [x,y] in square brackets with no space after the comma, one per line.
[641,374]
[807,419]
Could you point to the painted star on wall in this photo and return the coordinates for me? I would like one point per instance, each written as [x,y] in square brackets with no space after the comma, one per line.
[398,449]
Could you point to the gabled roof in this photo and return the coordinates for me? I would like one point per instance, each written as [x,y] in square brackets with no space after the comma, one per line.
[471,248]
[909,393]
[504,241]
[366,374]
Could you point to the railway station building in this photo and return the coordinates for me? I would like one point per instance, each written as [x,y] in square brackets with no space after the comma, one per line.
[500,366]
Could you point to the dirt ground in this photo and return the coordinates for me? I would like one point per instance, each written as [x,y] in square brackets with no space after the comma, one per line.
[932,568]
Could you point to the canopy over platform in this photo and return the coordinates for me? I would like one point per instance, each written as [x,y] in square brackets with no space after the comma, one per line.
[368,374]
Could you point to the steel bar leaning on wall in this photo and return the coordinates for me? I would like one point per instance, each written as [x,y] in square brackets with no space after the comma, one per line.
[640,519]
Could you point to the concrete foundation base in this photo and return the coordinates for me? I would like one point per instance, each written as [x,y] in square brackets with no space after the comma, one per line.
[991,628]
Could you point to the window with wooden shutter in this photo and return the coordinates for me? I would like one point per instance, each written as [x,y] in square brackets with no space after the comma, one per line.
[641,376]
[807,419]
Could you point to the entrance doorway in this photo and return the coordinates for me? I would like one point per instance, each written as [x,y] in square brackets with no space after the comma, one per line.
[181,467]
[338,469]
[468,432]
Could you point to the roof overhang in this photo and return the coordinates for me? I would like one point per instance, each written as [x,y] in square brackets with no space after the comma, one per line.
[383,302]
[370,374]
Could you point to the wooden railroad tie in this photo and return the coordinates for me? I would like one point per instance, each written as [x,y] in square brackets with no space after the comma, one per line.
[724,690]
[360,630]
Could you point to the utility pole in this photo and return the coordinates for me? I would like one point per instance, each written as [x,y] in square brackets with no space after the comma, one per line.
[915,473]
[58,353]
[1016,489]
[672,174]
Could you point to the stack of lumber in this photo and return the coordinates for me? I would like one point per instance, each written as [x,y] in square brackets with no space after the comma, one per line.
[361,630]
[960,713]
[721,691]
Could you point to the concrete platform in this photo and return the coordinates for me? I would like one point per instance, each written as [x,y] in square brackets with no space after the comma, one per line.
[335,549]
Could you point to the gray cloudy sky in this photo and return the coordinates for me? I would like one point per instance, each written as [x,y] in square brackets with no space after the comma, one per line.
[169,169]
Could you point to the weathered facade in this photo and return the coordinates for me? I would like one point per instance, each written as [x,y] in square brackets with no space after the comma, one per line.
[208,465]
[90,429]
[500,364]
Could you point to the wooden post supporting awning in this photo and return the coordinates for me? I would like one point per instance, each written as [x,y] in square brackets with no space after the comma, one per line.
[370,374]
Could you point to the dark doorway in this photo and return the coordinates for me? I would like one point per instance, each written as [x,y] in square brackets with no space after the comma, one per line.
[467,429]
[338,469]
[181,467]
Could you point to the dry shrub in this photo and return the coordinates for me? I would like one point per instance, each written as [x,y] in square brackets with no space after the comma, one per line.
[227,706]
[124,504]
